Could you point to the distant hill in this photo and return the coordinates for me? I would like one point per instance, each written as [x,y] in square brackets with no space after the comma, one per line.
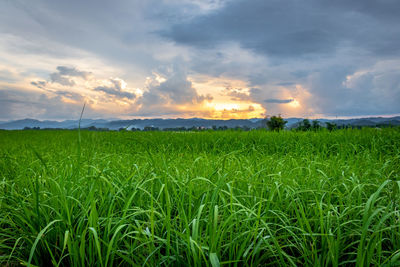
[359,122]
[372,121]
[136,123]
[67,124]
[187,123]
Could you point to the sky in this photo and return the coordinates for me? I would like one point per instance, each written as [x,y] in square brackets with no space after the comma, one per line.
[214,59]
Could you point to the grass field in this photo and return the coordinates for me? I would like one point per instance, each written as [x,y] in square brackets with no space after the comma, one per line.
[233,198]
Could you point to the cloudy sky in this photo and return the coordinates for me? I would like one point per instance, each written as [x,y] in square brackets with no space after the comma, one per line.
[201,58]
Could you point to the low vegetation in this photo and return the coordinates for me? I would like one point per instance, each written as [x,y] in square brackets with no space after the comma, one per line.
[234,198]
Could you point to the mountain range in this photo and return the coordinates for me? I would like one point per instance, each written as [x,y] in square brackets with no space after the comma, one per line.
[187,123]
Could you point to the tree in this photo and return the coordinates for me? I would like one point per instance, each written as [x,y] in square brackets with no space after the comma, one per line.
[315,125]
[331,126]
[276,123]
[150,128]
[305,125]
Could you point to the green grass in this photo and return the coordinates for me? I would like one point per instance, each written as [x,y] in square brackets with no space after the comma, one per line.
[200,198]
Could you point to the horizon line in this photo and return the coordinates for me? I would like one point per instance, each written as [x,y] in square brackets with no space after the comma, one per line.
[223,119]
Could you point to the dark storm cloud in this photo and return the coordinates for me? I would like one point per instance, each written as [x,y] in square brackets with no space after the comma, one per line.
[39,84]
[162,98]
[177,89]
[116,31]
[313,44]
[64,74]
[17,103]
[296,28]
[115,90]
[58,78]
[277,49]
[70,95]
[370,92]
[238,95]
[278,101]
[73,72]
[286,83]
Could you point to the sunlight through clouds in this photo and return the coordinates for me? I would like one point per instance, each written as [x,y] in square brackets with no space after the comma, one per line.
[209,59]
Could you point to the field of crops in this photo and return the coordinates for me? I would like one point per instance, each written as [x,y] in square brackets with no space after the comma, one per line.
[200,198]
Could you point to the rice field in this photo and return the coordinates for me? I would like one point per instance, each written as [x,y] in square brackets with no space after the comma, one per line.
[226,198]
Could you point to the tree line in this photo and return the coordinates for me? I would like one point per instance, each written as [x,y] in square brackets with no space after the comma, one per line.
[273,123]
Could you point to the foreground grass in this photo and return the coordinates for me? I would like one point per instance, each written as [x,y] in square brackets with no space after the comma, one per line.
[200,199]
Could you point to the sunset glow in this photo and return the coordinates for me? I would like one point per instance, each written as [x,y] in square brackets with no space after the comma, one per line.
[224,106]
[235,110]
[124,61]
[294,104]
